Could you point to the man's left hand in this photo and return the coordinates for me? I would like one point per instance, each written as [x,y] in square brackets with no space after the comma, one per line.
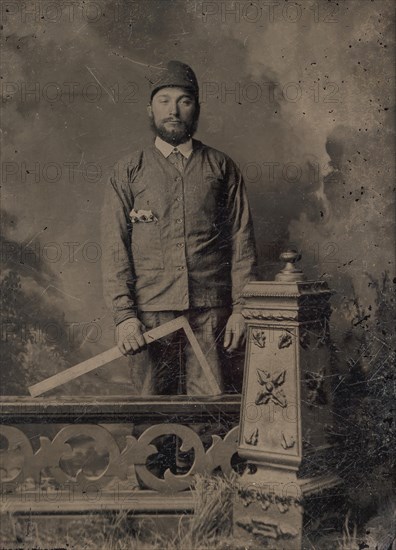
[234,332]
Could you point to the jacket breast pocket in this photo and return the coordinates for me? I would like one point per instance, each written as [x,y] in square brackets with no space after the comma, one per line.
[147,251]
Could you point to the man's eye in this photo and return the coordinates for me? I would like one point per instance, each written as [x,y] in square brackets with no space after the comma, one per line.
[186,101]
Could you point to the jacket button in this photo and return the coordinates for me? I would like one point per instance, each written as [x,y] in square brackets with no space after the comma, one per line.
[179,220]
[180,245]
[179,198]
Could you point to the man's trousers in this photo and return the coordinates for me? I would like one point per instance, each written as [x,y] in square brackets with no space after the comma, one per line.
[169,366]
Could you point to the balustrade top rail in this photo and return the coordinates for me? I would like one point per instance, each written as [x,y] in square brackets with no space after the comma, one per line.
[83,409]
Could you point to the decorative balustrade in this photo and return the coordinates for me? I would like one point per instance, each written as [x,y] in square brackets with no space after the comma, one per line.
[74,454]
[112,447]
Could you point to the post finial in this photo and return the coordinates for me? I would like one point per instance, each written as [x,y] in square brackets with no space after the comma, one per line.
[290,273]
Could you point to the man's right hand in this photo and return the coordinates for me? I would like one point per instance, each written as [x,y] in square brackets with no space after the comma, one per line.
[130,336]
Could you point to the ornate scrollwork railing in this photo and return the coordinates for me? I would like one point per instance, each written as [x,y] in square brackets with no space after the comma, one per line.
[114,441]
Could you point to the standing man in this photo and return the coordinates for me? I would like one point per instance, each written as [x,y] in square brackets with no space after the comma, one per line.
[178,240]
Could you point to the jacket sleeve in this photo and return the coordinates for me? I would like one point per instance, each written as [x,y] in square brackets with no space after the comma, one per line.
[243,247]
[117,266]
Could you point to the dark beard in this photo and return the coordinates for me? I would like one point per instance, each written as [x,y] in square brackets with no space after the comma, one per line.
[175,136]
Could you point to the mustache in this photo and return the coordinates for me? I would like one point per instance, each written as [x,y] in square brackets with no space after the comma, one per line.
[171,120]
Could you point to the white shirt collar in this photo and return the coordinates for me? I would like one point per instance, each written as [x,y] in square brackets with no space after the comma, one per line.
[166,148]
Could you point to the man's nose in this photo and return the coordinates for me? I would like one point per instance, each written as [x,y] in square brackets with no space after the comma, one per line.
[174,108]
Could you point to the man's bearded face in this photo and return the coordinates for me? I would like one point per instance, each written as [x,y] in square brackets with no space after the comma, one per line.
[174,115]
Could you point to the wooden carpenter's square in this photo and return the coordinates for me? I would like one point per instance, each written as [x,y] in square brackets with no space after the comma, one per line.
[114,353]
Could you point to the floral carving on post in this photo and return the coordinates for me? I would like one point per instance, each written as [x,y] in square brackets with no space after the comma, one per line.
[258,337]
[285,340]
[287,442]
[253,438]
[271,391]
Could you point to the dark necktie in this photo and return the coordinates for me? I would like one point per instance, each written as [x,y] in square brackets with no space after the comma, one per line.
[177,159]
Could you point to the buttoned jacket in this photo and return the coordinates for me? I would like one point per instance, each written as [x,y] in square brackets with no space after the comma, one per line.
[172,240]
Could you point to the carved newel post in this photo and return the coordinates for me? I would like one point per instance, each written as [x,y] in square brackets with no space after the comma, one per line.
[286,405]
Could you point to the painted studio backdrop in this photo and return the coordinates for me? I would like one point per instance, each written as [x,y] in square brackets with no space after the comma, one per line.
[298,94]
